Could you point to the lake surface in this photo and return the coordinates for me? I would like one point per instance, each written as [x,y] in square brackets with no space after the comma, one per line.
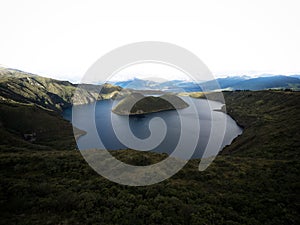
[217,129]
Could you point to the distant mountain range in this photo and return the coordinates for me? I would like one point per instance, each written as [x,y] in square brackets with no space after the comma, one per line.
[169,86]
[27,87]
[228,83]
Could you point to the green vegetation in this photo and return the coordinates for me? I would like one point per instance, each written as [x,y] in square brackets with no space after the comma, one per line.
[136,104]
[58,187]
[49,93]
[193,94]
[254,181]
[50,129]
[271,120]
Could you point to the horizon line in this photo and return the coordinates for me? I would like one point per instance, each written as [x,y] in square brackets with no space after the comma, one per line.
[250,74]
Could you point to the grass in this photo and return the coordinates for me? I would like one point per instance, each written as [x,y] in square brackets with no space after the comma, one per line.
[254,181]
[17,119]
[49,93]
[272,122]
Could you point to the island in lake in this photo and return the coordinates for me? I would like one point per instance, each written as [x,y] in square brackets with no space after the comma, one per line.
[138,104]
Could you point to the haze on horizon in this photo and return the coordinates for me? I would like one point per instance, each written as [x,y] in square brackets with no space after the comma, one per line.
[62,39]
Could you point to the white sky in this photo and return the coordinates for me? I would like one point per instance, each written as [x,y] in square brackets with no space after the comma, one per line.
[62,39]
[150,71]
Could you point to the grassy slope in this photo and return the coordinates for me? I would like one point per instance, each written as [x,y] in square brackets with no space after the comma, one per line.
[17,119]
[272,122]
[254,181]
[49,93]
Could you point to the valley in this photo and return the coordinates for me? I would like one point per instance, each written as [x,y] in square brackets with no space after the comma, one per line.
[252,181]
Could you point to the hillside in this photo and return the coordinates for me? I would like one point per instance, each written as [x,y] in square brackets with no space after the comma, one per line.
[137,104]
[45,128]
[253,181]
[271,121]
[49,93]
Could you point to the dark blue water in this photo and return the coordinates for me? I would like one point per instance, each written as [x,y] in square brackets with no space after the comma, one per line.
[99,115]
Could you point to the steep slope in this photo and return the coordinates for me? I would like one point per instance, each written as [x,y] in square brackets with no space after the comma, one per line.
[30,126]
[9,72]
[49,93]
[29,105]
[271,121]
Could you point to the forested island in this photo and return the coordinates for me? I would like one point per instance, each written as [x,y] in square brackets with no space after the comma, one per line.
[138,104]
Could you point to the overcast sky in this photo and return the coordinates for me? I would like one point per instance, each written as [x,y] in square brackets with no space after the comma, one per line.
[62,39]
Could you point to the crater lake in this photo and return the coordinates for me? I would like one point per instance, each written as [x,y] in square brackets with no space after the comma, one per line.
[217,129]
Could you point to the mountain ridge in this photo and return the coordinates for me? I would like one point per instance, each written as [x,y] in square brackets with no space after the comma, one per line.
[50,93]
[226,83]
